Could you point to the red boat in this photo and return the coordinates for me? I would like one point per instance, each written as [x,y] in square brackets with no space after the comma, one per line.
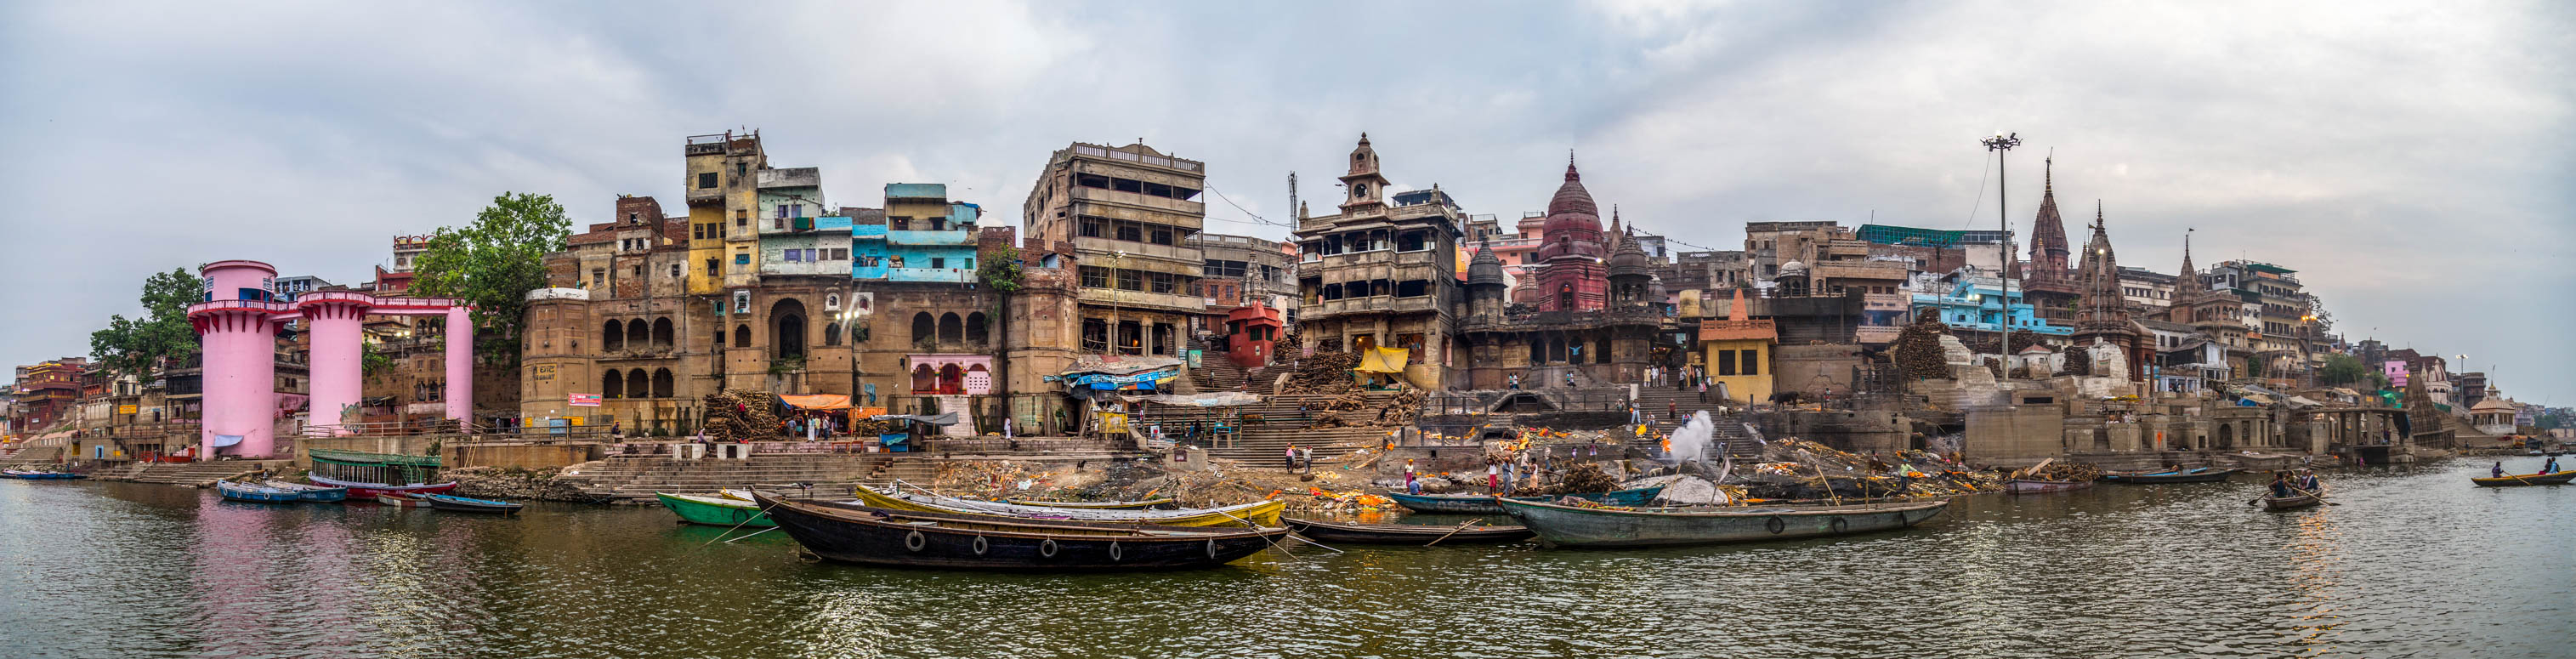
[370,490]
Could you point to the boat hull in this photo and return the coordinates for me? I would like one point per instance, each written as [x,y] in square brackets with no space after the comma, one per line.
[312,493]
[2526,480]
[1262,514]
[2204,475]
[1570,526]
[465,505]
[2292,502]
[254,493]
[1095,505]
[901,538]
[712,511]
[1406,534]
[401,501]
[1478,504]
[357,489]
[2018,486]
[43,475]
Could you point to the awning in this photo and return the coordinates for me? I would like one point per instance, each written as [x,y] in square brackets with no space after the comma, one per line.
[943,419]
[1383,360]
[817,401]
[1221,399]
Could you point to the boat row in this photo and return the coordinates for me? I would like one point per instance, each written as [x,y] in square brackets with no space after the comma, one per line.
[24,474]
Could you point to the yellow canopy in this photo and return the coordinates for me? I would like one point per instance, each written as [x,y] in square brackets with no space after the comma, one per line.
[1383,360]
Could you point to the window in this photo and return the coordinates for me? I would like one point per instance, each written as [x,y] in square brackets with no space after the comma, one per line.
[598,277]
[794,255]
[970,263]
[1095,277]
[675,271]
[1129,231]
[937,262]
[714,267]
[1093,227]
[1725,362]
[1162,236]
[901,223]
[742,301]
[1131,280]
[1752,362]
[706,180]
[1163,282]
[697,231]
[741,219]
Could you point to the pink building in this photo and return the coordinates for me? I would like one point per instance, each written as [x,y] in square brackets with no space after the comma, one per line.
[237,327]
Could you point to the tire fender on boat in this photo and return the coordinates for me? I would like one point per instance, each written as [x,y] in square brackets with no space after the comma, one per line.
[980,544]
[1775,524]
[1116,553]
[1838,525]
[1047,548]
[1211,548]
[914,541]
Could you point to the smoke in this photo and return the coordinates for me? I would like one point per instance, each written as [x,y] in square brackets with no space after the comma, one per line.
[1690,442]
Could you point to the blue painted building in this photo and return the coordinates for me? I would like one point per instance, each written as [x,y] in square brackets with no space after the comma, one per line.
[1978,302]
[928,238]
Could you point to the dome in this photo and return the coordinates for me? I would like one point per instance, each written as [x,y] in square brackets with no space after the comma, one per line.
[1630,259]
[1793,268]
[1486,268]
[1572,198]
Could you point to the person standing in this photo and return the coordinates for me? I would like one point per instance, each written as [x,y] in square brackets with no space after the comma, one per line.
[1673,410]
[1516,382]
[1493,476]
[1006,427]
[1703,391]
[1292,458]
[1411,484]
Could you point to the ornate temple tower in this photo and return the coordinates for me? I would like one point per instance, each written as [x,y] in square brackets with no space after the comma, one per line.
[1631,272]
[2049,285]
[1572,276]
[2104,313]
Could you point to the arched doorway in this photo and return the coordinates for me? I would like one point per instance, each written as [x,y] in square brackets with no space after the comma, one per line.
[831,334]
[2226,437]
[637,384]
[952,380]
[924,380]
[662,334]
[662,383]
[787,334]
[742,336]
[638,335]
[924,330]
[951,329]
[612,336]
[976,332]
[611,385]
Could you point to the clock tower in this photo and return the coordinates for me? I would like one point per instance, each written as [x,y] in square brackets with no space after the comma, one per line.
[1364,189]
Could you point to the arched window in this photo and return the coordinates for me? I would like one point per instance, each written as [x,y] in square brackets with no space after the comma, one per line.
[662,383]
[637,385]
[612,336]
[924,380]
[951,330]
[787,322]
[952,380]
[638,335]
[662,333]
[924,330]
[612,386]
[742,336]
[975,330]
[831,334]
[832,302]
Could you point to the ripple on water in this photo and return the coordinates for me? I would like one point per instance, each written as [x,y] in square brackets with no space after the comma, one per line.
[2413,563]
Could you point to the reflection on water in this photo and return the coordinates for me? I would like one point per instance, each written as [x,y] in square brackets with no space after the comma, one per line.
[2414,561]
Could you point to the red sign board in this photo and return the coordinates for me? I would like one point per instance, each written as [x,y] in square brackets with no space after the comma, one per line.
[585,400]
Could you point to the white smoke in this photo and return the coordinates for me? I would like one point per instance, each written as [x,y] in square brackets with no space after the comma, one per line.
[1690,442]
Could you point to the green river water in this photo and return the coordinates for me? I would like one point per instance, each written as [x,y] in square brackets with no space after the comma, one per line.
[2414,563]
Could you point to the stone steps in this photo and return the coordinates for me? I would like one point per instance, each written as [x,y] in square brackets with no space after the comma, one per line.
[636,478]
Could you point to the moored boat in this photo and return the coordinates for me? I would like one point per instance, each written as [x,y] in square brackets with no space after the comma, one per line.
[2198,475]
[1405,534]
[402,500]
[2523,480]
[2027,486]
[1560,525]
[1259,513]
[255,493]
[713,511]
[362,489]
[2295,501]
[313,493]
[1483,504]
[854,533]
[23,474]
[1096,505]
[465,505]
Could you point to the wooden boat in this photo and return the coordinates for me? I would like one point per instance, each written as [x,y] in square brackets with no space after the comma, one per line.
[465,505]
[1483,504]
[255,493]
[2295,501]
[40,475]
[713,511]
[2024,486]
[2198,475]
[313,493]
[358,489]
[854,533]
[402,500]
[1574,526]
[2510,480]
[1405,534]
[1260,513]
[1095,505]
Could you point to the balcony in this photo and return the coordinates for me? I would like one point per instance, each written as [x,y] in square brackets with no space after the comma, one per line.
[1361,305]
[1104,247]
[930,275]
[1175,302]
[953,236]
[1194,209]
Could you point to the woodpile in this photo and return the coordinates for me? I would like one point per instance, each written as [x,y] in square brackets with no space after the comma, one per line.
[736,414]
[1918,350]
[1325,373]
[2052,470]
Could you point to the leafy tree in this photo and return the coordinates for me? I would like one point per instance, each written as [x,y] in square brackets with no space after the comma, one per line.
[494,262]
[2343,369]
[1000,270]
[137,346]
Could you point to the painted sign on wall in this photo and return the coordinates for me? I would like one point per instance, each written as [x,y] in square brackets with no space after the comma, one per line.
[584,400]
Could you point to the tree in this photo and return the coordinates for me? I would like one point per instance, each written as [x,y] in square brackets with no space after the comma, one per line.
[494,262]
[2343,369]
[139,346]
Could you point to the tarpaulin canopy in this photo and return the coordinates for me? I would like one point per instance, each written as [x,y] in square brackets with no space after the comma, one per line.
[817,401]
[1383,360]
[942,419]
[1221,399]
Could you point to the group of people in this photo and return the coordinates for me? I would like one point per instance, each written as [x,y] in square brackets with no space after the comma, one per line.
[1301,459]
[2285,484]
[2546,468]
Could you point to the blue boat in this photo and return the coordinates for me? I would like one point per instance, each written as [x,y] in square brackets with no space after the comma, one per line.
[465,505]
[255,493]
[40,475]
[1484,504]
[314,493]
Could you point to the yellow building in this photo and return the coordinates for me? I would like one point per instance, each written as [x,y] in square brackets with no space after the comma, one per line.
[1736,352]
[721,179]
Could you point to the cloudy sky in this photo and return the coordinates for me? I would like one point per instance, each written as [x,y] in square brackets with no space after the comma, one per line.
[2411,160]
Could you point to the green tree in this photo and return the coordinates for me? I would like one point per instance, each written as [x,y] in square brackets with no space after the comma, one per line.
[494,262]
[2342,370]
[138,346]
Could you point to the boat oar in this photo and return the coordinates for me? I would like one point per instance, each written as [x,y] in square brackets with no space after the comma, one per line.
[1462,526]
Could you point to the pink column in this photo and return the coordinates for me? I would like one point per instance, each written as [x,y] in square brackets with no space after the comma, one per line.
[460,365]
[338,361]
[240,378]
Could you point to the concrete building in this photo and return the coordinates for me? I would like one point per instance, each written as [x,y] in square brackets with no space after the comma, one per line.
[1379,275]
[1769,245]
[289,287]
[2148,292]
[1241,270]
[1975,302]
[1737,351]
[2279,312]
[1129,213]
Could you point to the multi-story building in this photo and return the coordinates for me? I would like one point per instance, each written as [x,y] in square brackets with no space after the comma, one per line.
[1972,300]
[1129,213]
[1380,275]
[289,287]
[2147,291]
[2471,387]
[1515,248]
[2280,314]
[722,182]
[48,393]
[1769,245]
[407,251]
[1240,270]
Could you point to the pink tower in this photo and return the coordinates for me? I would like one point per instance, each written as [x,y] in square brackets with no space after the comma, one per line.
[237,329]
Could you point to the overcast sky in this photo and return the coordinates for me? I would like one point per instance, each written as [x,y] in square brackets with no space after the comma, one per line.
[2411,160]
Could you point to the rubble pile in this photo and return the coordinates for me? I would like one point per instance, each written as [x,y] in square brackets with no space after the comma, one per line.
[734,414]
[514,484]
[1800,470]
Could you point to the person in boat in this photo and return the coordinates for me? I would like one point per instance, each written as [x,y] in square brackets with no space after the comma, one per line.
[2497,471]
[2280,485]
[2308,481]
[2550,467]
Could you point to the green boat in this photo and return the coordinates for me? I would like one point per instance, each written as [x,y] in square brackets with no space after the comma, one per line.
[714,511]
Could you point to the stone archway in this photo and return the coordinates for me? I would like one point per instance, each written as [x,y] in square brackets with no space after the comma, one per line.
[787,329]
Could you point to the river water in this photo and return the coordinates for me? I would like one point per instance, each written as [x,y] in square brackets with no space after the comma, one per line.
[2415,562]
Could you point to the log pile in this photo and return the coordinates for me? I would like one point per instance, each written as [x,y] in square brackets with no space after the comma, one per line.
[739,414]
[1325,373]
[1918,350]
[2052,470]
